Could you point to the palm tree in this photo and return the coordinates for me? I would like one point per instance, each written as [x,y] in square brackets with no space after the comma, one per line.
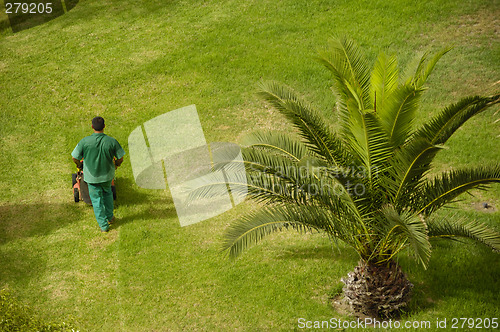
[368,184]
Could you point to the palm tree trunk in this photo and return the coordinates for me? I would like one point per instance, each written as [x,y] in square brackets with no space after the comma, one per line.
[376,290]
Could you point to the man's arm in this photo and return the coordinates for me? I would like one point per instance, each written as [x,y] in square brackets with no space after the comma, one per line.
[77,156]
[78,163]
[118,162]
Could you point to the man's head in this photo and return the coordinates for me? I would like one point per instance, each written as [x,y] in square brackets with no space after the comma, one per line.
[98,123]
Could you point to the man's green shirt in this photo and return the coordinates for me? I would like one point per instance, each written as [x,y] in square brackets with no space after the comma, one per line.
[98,151]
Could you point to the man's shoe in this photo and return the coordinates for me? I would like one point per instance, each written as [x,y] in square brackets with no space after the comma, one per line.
[111,221]
[104,231]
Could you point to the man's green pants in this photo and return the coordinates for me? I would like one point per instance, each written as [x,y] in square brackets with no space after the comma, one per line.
[101,196]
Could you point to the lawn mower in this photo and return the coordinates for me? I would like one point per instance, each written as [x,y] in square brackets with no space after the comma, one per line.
[81,189]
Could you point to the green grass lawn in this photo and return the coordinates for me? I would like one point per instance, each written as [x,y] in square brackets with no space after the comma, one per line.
[130,61]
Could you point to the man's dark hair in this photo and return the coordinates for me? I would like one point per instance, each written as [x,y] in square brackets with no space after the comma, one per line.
[98,123]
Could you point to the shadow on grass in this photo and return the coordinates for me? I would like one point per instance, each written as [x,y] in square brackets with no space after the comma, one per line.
[20,263]
[464,267]
[316,245]
[128,193]
[153,207]
[460,270]
[20,220]
[157,210]
[326,252]
[20,266]
[24,220]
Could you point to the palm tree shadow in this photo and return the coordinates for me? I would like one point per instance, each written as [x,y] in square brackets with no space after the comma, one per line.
[446,279]
[296,252]
[472,272]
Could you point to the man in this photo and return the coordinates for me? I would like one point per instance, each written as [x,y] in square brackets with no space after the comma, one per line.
[98,152]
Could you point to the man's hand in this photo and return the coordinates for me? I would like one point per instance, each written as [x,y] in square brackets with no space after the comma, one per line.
[118,162]
[78,163]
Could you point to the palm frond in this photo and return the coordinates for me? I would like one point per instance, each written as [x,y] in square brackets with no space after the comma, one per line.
[398,114]
[384,80]
[350,72]
[440,128]
[312,128]
[419,70]
[262,187]
[445,188]
[423,73]
[413,67]
[404,228]
[350,81]
[407,170]
[370,143]
[252,228]
[475,230]
[274,179]
[280,143]
[261,175]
